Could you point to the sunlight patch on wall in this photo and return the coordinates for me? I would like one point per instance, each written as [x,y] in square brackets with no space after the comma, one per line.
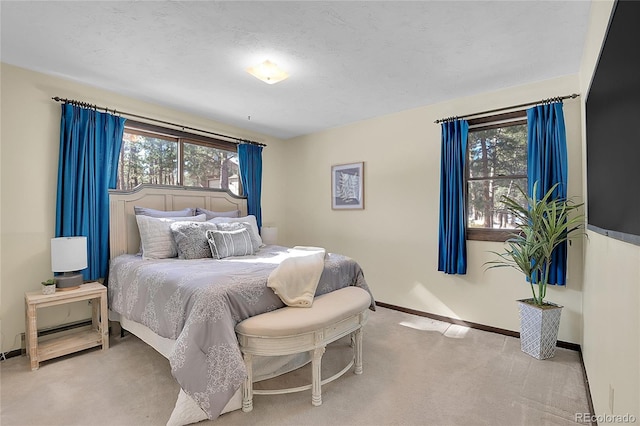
[431,301]
[452,331]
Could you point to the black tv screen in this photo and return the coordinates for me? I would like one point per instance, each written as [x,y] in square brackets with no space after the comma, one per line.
[613,130]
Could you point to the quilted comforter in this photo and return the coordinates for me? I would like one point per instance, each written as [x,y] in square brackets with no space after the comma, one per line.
[198,304]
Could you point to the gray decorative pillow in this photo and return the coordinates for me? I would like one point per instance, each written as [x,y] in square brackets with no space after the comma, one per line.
[248,222]
[230,243]
[232,226]
[146,211]
[211,214]
[191,239]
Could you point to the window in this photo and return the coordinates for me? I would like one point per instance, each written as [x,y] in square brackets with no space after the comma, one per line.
[496,164]
[159,156]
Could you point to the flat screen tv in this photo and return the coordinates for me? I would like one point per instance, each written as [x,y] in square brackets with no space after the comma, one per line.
[613,130]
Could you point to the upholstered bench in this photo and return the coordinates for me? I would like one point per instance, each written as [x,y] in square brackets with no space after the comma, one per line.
[292,330]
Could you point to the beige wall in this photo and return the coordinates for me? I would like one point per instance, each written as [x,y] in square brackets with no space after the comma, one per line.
[611,299]
[395,238]
[29,142]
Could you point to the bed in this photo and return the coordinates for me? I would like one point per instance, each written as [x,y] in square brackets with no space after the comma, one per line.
[186,307]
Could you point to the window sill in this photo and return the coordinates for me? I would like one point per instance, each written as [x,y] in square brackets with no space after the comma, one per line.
[484,234]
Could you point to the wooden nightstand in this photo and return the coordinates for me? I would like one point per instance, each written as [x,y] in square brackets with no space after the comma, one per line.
[78,341]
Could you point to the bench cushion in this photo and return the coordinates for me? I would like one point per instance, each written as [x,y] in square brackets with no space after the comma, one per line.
[327,309]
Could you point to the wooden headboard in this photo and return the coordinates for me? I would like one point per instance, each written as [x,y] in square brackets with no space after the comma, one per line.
[123,229]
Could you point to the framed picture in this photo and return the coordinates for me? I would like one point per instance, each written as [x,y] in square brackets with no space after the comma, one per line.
[347,186]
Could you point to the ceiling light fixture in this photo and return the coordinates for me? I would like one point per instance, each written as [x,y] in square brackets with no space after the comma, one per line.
[268,72]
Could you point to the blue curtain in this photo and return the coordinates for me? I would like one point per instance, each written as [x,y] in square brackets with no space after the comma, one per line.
[452,241]
[250,158]
[90,144]
[547,165]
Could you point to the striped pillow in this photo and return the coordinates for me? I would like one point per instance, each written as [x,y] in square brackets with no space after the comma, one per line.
[230,243]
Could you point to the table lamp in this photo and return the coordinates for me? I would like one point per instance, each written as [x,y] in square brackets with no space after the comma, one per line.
[69,256]
[269,234]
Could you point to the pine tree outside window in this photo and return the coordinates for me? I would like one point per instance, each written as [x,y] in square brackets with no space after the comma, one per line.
[496,163]
[160,156]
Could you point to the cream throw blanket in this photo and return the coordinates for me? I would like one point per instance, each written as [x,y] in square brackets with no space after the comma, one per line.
[295,280]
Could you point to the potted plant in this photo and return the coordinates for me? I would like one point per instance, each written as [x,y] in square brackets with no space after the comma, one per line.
[49,286]
[541,226]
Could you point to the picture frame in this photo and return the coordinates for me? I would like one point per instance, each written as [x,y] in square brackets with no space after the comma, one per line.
[347,186]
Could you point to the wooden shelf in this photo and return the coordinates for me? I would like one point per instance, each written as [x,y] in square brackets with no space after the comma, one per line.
[65,345]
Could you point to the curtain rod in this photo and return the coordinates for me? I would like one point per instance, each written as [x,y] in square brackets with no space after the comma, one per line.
[128,114]
[543,101]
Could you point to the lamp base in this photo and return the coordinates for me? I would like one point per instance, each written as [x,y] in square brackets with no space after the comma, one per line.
[68,281]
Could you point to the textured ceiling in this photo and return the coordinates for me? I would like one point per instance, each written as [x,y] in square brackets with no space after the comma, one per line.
[347,61]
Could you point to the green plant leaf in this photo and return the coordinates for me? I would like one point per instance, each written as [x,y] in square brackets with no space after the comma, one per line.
[542,225]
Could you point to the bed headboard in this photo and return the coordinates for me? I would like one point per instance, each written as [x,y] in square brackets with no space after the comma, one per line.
[123,229]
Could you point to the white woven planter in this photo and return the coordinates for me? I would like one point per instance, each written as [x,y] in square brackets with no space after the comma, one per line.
[48,289]
[539,329]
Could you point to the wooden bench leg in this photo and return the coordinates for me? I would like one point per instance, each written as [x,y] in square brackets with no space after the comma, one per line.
[316,368]
[357,336]
[247,385]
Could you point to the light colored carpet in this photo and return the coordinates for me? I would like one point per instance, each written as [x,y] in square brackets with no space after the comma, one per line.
[417,371]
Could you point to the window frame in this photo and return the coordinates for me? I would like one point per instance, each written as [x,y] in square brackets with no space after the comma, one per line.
[486,123]
[181,137]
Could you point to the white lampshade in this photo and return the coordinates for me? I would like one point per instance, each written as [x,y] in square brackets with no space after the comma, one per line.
[269,234]
[68,254]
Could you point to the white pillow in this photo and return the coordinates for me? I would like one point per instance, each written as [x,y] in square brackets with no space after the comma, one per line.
[251,219]
[155,235]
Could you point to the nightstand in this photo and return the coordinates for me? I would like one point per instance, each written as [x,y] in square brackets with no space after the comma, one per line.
[73,342]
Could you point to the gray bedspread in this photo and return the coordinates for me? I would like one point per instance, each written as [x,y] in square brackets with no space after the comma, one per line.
[199,302]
